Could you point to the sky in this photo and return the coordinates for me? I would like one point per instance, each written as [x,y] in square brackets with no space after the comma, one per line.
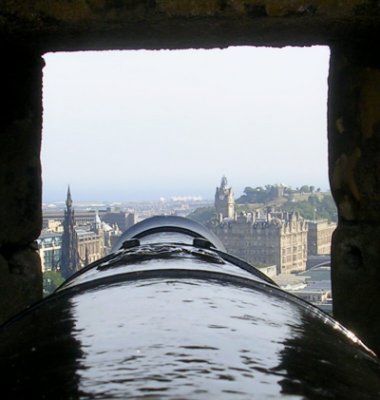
[140,125]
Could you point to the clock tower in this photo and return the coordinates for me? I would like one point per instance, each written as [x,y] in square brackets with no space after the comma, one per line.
[224,201]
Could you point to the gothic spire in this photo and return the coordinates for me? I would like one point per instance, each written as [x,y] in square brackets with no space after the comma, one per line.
[69,248]
[69,201]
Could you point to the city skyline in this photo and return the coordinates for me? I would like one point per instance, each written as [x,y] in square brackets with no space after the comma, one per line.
[140,125]
[97,203]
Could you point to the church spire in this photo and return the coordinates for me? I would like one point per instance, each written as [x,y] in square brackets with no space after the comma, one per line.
[69,248]
[69,201]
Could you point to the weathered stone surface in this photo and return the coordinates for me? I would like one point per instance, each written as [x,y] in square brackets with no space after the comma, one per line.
[20,179]
[67,10]
[354,159]
[20,282]
[356,280]
[20,141]
[354,134]
[102,24]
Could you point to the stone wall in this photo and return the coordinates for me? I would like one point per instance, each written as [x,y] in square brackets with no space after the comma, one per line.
[53,25]
[319,237]
[354,158]
[20,179]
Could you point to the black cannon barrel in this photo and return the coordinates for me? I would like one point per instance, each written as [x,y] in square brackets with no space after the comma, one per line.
[170,315]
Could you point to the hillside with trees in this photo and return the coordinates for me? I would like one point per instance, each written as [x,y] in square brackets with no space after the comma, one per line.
[309,202]
[202,214]
[316,207]
[269,193]
[257,195]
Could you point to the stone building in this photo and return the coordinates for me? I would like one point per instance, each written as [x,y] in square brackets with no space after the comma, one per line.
[261,238]
[278,238]
[82,217]
[49,249]
[90,246]
[81,245]
[122,219]
[90,242]
[319,237]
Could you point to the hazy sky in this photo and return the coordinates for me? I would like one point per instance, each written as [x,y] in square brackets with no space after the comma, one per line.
[137,125]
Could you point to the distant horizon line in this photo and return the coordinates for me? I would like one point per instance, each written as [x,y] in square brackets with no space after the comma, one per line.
[109,195]
[178,198]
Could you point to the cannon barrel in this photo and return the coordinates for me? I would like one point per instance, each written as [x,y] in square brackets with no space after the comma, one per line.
[169,314]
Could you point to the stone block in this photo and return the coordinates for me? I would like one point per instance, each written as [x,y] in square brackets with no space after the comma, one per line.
[356,280]
[20,282]
[20,141]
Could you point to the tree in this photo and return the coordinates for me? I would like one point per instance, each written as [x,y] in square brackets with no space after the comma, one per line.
[51,280]
[323,209]
[202,214]
[256,195]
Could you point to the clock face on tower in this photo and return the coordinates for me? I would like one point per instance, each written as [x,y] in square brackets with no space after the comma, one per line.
[221,197]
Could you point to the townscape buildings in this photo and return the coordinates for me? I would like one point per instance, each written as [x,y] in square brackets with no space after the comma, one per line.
[88,234]
[279,243]
[282,244]
[67,245]
[49,244]
[319,237]
[264,237]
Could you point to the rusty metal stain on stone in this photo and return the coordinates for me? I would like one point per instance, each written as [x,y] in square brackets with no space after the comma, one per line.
[344,173]
[346,208]
[339,125]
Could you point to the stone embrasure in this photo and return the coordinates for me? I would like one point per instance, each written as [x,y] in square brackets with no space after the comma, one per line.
[28,29]
[51,25]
